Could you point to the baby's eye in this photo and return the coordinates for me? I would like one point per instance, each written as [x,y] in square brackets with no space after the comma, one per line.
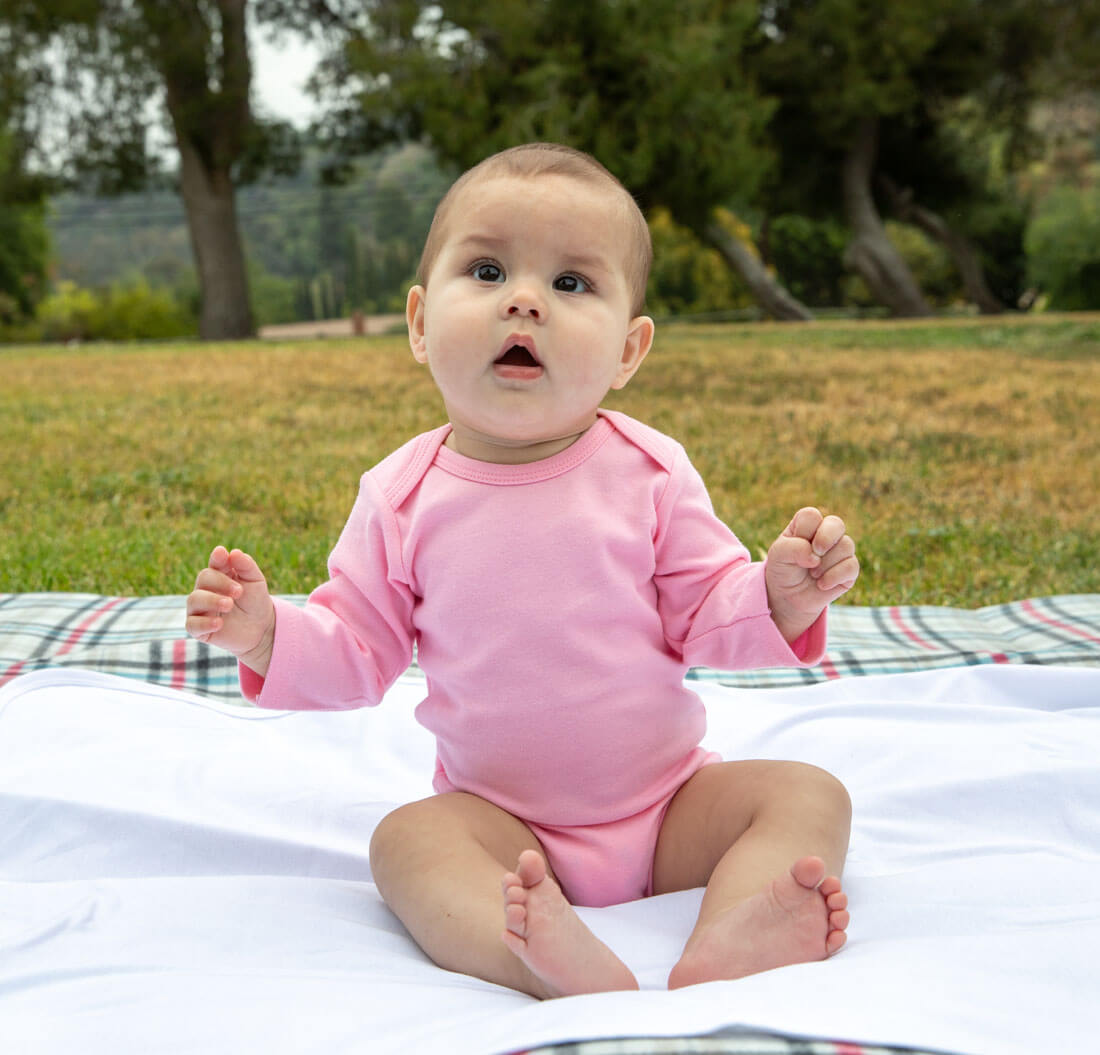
[571,283]
[484,271]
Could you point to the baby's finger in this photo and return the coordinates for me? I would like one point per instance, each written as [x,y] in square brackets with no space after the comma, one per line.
[219,559]
[208,602]
[828,534]
[838,552]
[841,576]
[203,627]
[804,524]
[788,549]
[244,567]
[214,581]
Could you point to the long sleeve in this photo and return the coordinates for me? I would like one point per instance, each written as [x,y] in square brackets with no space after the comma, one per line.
[711,596]
[354,636]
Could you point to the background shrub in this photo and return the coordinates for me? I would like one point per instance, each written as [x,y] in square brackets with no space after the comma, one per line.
[123,312]
[808,256]
[1063,248]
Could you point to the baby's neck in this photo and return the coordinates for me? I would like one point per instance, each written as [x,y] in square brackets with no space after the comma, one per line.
[504,452]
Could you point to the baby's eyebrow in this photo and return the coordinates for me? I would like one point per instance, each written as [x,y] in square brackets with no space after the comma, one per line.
[480,241]
[588,262]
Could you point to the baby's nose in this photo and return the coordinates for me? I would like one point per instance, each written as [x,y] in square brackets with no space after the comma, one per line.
[524,300]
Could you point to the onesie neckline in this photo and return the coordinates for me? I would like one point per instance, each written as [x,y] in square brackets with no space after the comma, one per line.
[576,453]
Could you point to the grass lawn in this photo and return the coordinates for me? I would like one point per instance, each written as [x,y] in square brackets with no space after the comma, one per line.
[964,455]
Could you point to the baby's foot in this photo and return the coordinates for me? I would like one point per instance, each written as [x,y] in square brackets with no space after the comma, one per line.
[545,932]
[800,917]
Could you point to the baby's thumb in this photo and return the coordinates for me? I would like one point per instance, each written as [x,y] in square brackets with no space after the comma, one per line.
[794,550]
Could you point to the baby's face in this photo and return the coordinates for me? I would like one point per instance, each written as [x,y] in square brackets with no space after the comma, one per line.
[525,322]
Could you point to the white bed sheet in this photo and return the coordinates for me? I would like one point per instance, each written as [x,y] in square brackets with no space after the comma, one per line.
[179,875]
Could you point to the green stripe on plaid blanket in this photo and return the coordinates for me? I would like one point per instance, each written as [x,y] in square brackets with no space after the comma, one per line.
[143,638]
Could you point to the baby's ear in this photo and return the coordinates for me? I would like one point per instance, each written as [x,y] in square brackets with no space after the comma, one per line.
[414,318]
[639,339]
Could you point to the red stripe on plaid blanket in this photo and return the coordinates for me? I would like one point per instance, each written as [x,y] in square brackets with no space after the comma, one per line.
[12,672]
[79,632]
[827,668]
[179,663]
[1030,608]
[908,631]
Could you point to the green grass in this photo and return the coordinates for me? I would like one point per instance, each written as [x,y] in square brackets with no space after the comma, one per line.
[963,454]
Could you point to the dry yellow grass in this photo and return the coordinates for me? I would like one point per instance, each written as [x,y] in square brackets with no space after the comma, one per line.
[963,455]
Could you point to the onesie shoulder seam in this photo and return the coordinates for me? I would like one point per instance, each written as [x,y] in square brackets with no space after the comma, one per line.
[393,480]
[666,453]
[397,475]
[662,449]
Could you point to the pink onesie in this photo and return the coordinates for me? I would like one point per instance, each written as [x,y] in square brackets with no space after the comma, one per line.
[555,608]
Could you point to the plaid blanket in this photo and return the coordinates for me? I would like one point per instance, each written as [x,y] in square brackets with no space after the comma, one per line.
[727,1042]
[143,638]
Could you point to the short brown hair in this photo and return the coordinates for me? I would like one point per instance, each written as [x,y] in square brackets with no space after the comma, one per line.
[550,159]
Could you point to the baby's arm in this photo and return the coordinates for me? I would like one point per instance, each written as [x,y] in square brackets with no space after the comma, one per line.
[230,607]
[809,566]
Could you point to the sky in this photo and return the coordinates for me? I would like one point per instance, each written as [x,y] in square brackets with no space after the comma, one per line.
[279,73]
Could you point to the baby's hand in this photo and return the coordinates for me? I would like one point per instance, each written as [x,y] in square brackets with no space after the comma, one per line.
[809,566]
[230,607]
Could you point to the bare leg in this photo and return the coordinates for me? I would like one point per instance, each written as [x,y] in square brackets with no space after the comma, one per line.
[768,839]
[440,865]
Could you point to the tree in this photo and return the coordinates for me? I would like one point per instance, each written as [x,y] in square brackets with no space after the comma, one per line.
[24,241]
[108,59]
[865,92]
[653,88]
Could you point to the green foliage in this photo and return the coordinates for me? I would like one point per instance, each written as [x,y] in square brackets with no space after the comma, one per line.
[808,255]
[950,85]
[123,312]
[996,226]
[688,278]
[929,262]
[24,249]
[958,166]
[24,241]
[1063,245]
[654,88]
[274,298]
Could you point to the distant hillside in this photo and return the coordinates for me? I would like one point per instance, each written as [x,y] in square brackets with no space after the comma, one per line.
[359,240]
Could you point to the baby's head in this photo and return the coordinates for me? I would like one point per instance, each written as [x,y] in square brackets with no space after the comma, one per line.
[532,161]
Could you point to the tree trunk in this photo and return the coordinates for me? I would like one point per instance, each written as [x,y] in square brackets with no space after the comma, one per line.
[769,294]
[209,200]
[202,53]
[962,252]
[871,253]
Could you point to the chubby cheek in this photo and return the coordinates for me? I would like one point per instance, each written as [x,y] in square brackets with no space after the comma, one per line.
[588,371]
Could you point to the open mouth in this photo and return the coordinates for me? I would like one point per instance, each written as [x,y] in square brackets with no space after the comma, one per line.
[517,359]
[517,355]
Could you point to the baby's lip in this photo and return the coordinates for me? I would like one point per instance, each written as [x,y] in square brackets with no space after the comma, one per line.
[518,350]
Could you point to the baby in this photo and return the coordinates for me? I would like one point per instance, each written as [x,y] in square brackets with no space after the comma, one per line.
[558,567]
